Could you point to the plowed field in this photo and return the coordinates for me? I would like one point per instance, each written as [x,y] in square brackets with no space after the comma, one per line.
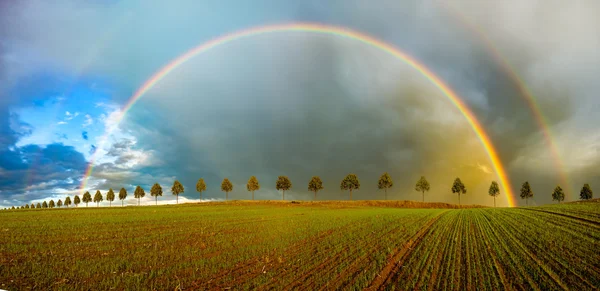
[353,245]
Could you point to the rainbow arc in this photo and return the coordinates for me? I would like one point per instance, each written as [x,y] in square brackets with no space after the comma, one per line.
[328,30]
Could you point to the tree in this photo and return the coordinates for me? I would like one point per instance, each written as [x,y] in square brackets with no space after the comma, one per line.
[283,183]
[558,194]
[76,200]
[156,191]
[385,182]
[350,183]
[51,204]
[494,191]
[459,188]
[59,203]
[586,192]
[422,186]
[139,193]
[38,205]
[526,192]
[253,185]
[226,187]
[200,187]
[44,205]
[122,195]
[67,201]
[314,185]
[98,198]
[177,189]
[27,206]
[87,198]
[110,196]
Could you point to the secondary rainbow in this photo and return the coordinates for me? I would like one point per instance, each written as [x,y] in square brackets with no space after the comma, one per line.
[505,65]
[330,30]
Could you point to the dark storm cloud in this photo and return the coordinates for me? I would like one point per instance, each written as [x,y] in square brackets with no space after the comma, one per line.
[38,168]
[312,123]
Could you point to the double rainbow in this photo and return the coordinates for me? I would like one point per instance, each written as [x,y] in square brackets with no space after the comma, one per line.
[524,91]
[335,31]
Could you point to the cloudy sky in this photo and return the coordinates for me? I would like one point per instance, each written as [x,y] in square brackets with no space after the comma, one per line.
[296,103]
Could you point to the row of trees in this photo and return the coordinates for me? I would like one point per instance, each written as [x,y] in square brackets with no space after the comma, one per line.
[283,183]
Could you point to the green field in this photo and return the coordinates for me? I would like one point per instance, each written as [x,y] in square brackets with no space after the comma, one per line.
[268,245]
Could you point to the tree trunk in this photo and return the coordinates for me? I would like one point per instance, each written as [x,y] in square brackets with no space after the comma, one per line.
[226,195]
[423,196]
[385,189]
[526,201]
[122,203]
[86,204]
[350,194]
[109,203]
[155,200]
[252,194]
[458,199]
[283,197]
[138,201]
[315,195]
[177,199]
[494,201]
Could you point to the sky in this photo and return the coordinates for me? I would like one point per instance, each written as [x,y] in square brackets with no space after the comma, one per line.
[298,104]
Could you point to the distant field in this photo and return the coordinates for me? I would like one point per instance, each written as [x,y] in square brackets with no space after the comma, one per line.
[346,245]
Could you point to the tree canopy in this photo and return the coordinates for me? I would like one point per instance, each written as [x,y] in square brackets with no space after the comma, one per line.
[315,185]
[87,198]
[283,183]
[226,187]
[110,196]
[350,182]
[139,193]
[156,191]
[526,192]
[459,188]
[422,186]
[98,198]
[494,191]
[253,185]
[122,195]
[200,187]
[586,192]
[558,194]
[177,189]
[385,182]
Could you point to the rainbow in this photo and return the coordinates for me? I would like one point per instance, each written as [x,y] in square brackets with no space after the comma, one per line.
[328,30]
[505,65]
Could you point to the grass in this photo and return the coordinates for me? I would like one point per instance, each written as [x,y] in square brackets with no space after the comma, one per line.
[283,245]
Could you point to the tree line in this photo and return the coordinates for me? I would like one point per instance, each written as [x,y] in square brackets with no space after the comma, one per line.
[283,183]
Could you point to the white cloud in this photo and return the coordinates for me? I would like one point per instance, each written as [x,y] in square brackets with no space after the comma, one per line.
[61,122]
[88,120]
[70,115]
